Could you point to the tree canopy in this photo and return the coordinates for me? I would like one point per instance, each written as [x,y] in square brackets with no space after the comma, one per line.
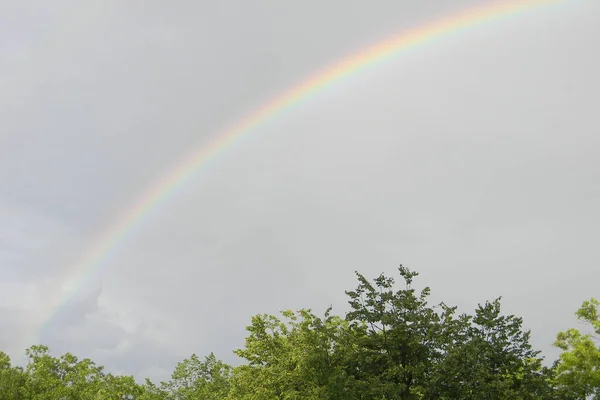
[392,344]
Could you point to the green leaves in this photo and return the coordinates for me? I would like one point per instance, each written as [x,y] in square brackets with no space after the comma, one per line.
[390,345]
[12,379]
[297,358]
[61,378]
[578,368]
[64,378]
[401,339]
[491,358]
[410,350]
[197,379]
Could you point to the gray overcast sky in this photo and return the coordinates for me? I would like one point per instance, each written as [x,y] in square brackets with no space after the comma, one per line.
[472,160]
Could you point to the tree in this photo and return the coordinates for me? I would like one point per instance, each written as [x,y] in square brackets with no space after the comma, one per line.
[119,387]
[391,345]
[152,392]
[491,358]
[12,379]
[60,378]
[67,378]
[199,380]
[578,368]
[298,358]
[409,350]
[399,338]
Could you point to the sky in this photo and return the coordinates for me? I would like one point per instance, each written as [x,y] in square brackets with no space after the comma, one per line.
[472,160]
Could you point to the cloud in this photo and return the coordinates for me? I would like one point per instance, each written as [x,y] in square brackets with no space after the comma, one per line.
[34,250]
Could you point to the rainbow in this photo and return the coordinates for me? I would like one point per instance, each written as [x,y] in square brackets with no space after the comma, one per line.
[127,222]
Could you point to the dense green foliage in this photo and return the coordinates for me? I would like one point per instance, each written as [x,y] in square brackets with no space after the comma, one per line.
[391,345]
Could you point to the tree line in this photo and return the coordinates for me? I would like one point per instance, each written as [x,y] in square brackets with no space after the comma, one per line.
[392,344]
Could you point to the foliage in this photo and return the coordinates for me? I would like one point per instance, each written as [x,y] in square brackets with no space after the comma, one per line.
[196,379]
[578,368]
[12,379]
[491,358]
[294,359]
[412,351]
[391,345]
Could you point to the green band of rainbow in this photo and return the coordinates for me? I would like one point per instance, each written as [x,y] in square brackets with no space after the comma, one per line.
[185,171]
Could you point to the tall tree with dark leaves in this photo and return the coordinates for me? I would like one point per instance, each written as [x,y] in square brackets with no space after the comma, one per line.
[491,358]
[400,337]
